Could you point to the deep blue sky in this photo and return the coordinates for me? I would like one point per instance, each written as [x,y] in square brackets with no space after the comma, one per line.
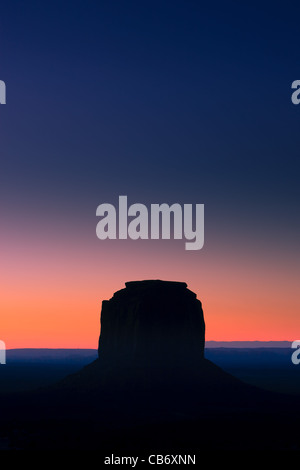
[162,101]
[167,101]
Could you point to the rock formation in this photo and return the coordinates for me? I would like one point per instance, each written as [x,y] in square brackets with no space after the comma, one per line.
[151,390]
[152,323]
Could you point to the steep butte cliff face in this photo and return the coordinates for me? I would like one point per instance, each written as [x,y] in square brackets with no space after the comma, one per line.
[152,322]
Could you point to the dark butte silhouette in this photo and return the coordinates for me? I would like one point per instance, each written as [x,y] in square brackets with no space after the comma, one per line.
[151,388]
[152,322]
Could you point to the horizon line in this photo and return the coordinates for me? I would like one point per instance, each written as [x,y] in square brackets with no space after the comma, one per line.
[239,343]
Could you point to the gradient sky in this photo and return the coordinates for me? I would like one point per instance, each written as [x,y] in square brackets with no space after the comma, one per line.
[162,101]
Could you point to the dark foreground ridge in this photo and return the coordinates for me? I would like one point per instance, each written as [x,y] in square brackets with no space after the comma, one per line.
[151,388]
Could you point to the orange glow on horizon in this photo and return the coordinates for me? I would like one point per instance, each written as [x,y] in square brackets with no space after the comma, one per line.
[52,297]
